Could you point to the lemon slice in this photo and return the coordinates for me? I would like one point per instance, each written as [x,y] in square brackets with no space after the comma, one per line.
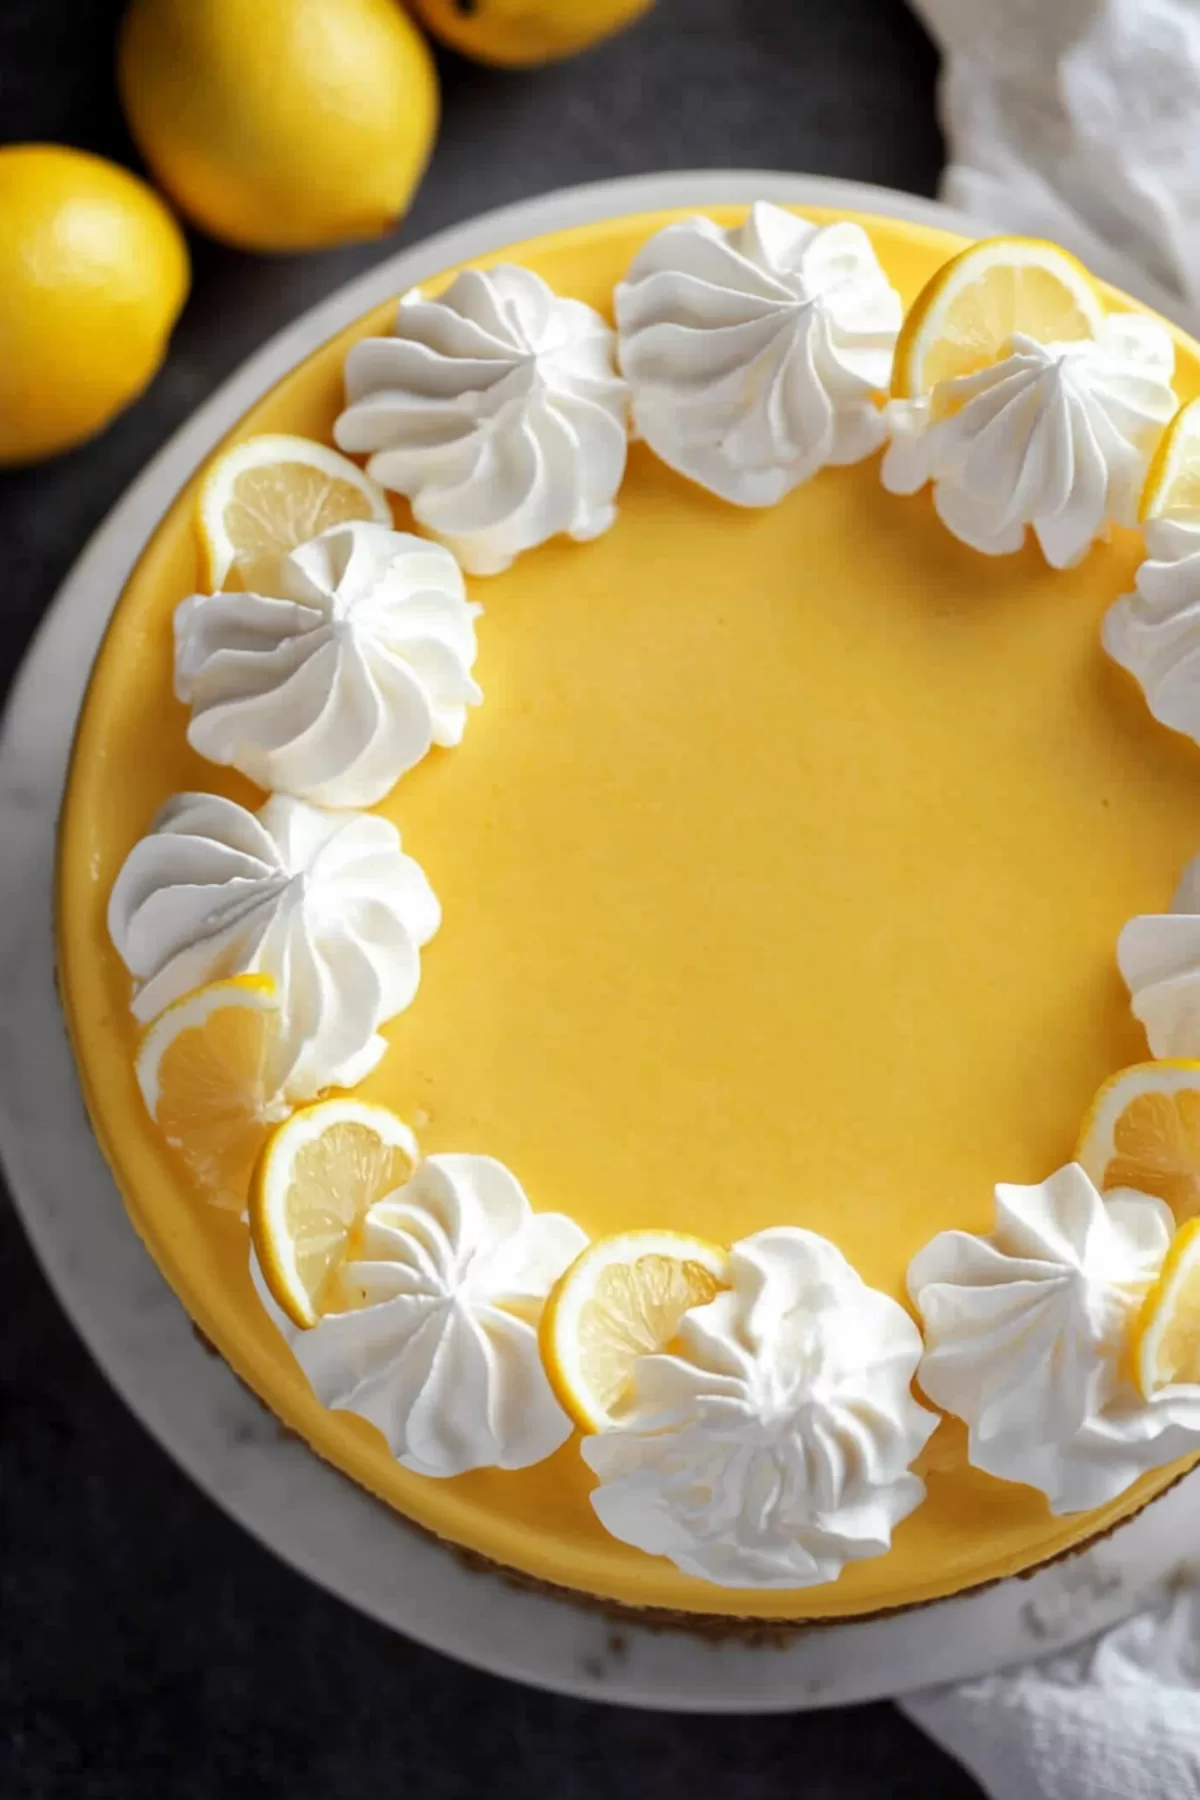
[622,1298]
[1165,1343]
[1143,1131]
[205,1068]
[964,317]
[268,494]
[316,1180]
[1173,478]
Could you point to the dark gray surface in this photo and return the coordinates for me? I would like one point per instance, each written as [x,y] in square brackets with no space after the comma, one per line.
[147,1647]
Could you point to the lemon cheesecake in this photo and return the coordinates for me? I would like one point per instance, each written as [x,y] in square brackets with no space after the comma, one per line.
[627,918]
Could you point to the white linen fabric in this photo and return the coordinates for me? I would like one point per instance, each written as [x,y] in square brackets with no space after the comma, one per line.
[1079,120]
[1118,1719]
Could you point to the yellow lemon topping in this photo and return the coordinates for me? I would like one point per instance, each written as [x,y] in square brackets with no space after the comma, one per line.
[205,1068]
[1143,1131]
[1172,486]
[624,1297]
[265,496]
[964,318]
[1165,1345]
[316,1180]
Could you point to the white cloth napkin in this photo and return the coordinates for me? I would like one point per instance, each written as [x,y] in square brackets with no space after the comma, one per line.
[1118,1719]
[1079,120]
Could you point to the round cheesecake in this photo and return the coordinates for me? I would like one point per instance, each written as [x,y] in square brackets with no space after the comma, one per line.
[780,875]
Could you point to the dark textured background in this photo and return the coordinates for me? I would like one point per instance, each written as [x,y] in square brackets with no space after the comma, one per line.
[148,1647]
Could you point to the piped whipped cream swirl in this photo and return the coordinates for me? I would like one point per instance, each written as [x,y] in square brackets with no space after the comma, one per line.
[326,903]
[756,354]
[1026,1332]
[775,1445]
[341,679]
[497,410]
[1053,437]
[1159,956]
[440,1351]
[1155,631]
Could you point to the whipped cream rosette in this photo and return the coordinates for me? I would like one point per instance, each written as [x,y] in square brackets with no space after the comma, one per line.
[757,354]
[1027,1333]
[1053,438]
[1159,956]
[497,410]
[325,903]
[774,1444]
[343,677]
[440,1350]
[1154,632]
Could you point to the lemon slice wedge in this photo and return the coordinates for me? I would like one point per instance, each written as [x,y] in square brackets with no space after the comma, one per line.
[205,1068]
[622,1298]
[1172,488]
[1165,1343]
[317,1178]
[1143,1131]
[964,317]
[265,496]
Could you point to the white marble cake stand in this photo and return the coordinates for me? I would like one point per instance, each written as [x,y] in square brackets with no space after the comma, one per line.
[301,1509]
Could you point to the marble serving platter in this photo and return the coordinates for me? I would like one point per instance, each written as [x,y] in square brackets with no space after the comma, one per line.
[299,1508]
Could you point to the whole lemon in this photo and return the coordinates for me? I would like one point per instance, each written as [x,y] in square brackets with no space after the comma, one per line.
[518,33]
[280,124]
[93,272]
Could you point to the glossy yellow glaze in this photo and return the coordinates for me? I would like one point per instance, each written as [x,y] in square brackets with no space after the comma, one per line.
[782,871]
